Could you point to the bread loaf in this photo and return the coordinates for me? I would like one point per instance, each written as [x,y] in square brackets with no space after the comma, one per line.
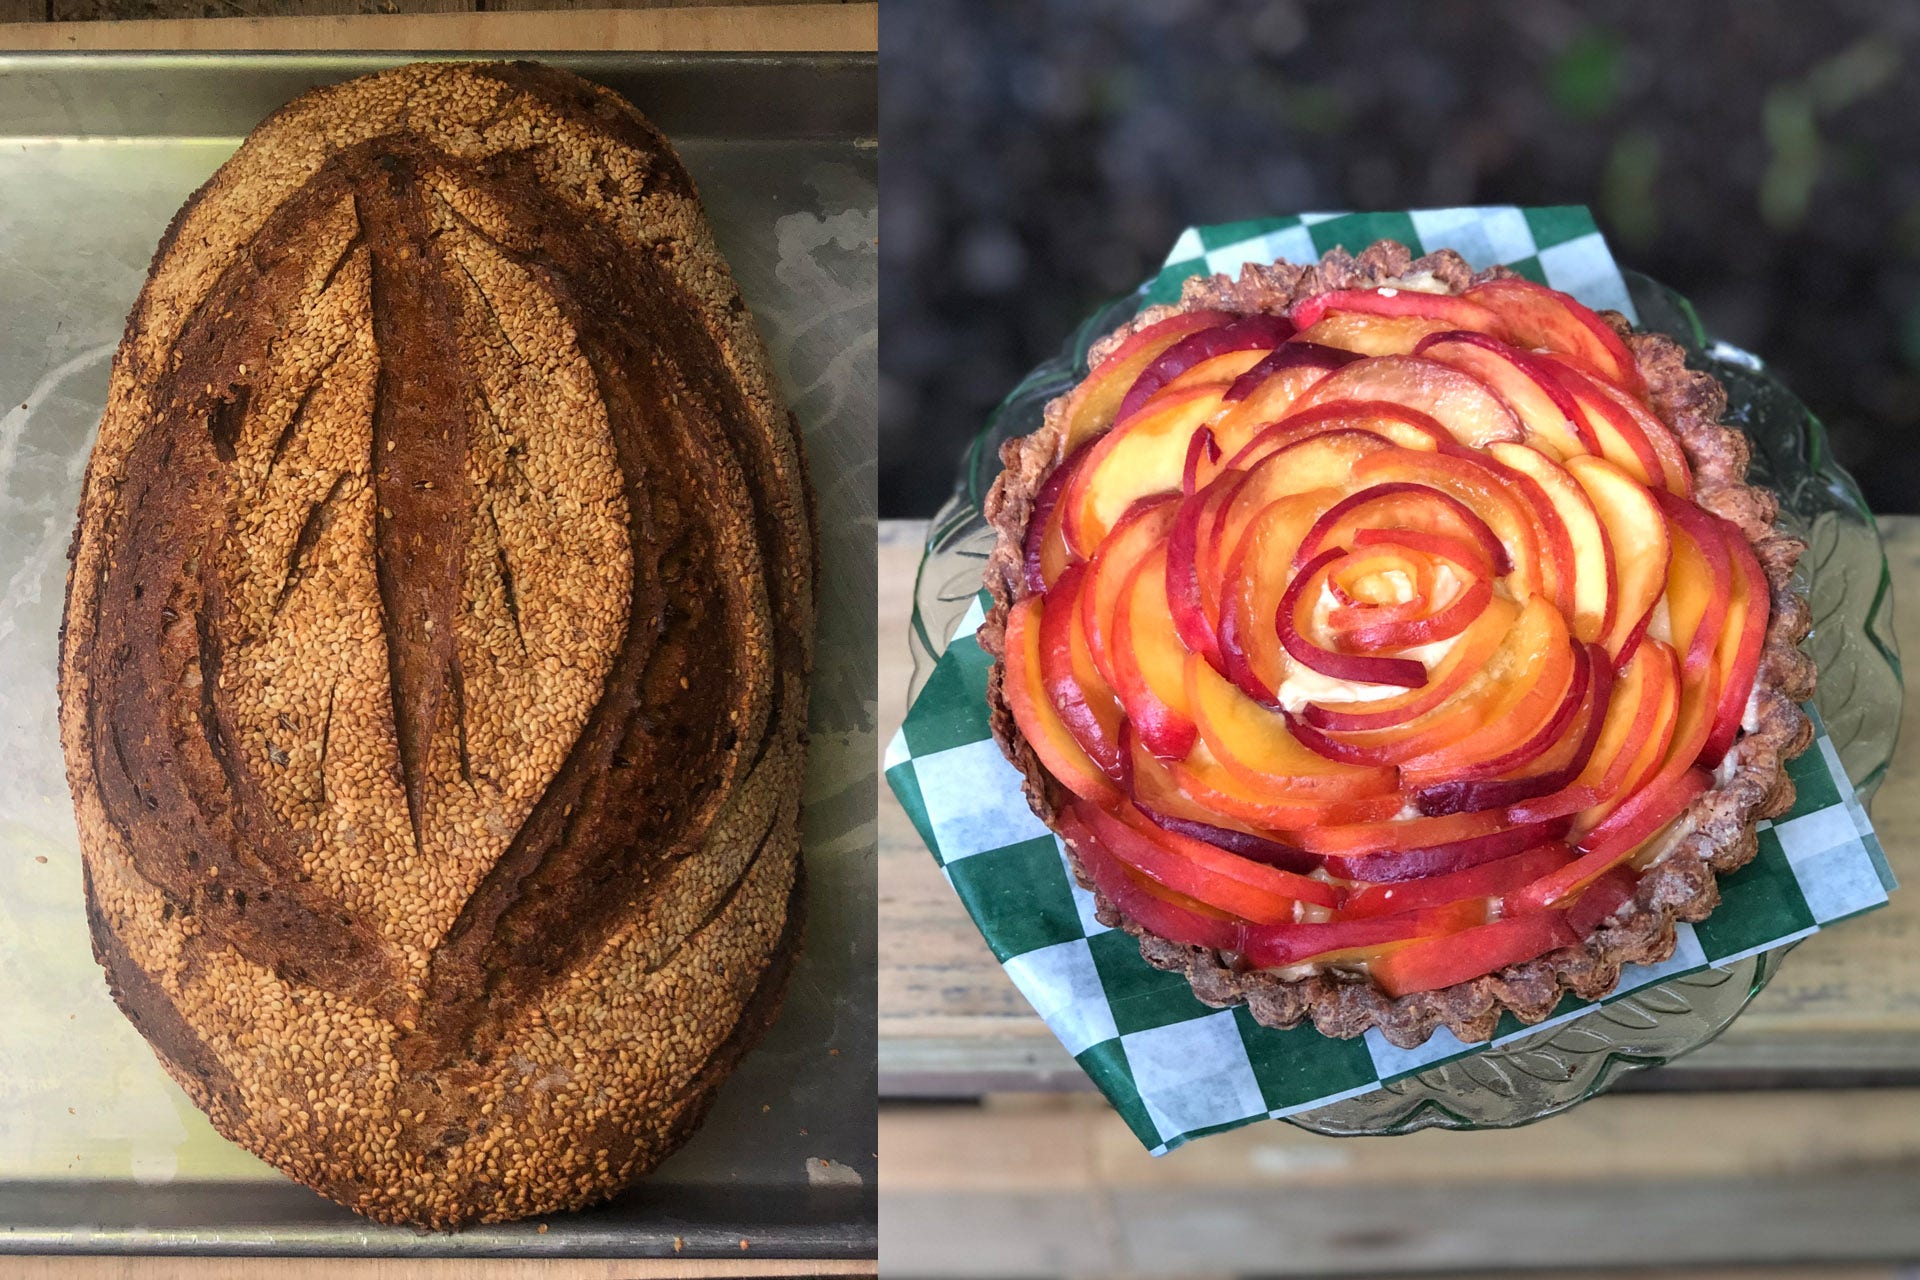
[433,682]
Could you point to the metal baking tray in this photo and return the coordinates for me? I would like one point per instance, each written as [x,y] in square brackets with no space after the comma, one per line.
[99,1151]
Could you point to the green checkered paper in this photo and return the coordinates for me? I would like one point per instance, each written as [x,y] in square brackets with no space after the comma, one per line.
[1173,1067]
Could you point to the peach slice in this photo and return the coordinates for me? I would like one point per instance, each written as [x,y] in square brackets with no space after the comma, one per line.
[1522,379]
[1295,613]
[1621,438]
[1556,564]
[1454,311]
[1250,588]
[1149,662]
[1047,554]
[1373,335]
[1394,423]
[1533,655]
[1535,316]
[1084,701]
[1213,861]
[1738,657]
[1638,540]
[1143,455]
[1189,874]
[1699,583]
[1462,663]
[1023,685]
[1592,573]
[1090,409]
[1211,786]
[1139,532]
[1665,445]
[1255,746]
[1403,504]
[1255,334]
[1459,402]
[1513,513]
[1644,701]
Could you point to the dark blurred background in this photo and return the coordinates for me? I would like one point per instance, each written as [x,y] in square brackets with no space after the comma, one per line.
[1761,156]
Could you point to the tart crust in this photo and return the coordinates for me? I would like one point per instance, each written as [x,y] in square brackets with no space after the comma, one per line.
[1719,826]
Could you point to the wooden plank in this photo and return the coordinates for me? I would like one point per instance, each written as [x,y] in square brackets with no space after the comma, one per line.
[1059,1185]
[732,27]
[418,1269]
[1846,1005]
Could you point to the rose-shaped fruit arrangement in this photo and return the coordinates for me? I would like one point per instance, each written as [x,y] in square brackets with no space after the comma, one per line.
[1394,645]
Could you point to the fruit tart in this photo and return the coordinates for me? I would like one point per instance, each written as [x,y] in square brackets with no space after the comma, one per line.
[1393,644]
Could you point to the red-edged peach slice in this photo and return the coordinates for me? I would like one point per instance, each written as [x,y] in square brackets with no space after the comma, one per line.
[1561,719]
[1142,456]
[1488,880]
[1024,687]
[1535,697]
[1212,787]
[1393,865]
[1637,537]
[1394,423]
[1149,663]
[1354,941]
[1535,316]
[1084,701]
[1179,869]
[1311,359]
[1522,379]
[1435,963]
[1236,840]
[1138,533]
[1555,545]
[1459,402]
[1213,861]
[1462,663]
[1047,553]
[1255,333]
[1507,508]
[1593,575]
[1162,912]
[1619,434]
[1373,335]
[1254,745]
[1293,620]
[1454,311]
[1533,652]
[1090,409]
[1699,583]
[1644,702]
[1251,585]
[1738,657]
[1503,784]
[1403,504]
[1665,445]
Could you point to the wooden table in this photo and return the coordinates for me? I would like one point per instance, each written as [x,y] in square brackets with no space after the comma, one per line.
[1796,1135]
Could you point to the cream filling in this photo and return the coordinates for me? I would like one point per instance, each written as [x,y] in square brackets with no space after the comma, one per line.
[1301,685]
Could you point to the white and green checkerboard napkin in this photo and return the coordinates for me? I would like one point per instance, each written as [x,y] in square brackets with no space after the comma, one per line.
[1175,1068]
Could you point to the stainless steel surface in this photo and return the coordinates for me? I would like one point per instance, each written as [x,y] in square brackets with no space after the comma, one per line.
[98,1150]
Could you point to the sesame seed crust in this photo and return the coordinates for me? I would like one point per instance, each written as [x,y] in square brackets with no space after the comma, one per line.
[433,679]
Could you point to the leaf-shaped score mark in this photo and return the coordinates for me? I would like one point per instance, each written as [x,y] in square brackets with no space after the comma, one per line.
[419,448]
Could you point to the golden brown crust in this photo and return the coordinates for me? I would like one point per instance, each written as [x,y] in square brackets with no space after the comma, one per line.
[1751,785]
[433,677]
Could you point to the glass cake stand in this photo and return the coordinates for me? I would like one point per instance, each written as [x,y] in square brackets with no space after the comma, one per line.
[1843,575]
